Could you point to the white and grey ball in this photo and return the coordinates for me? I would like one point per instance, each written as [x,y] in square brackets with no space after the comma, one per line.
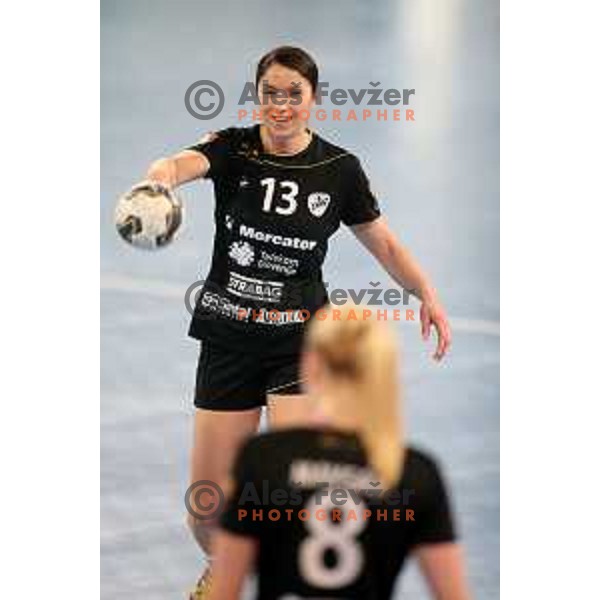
[148,217]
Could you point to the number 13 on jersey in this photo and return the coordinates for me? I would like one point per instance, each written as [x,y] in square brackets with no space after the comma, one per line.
[289,191]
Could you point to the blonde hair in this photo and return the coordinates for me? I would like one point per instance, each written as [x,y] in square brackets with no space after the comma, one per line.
[359,355]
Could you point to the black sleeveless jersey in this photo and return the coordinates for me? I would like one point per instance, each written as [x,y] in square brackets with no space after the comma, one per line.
[348,540]
[273,218]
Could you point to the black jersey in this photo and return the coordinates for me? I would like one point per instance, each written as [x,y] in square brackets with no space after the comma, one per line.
[273,218]
[306,548]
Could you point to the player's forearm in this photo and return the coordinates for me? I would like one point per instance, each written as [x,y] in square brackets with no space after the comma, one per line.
[179,169]
[163,171]
[405,270]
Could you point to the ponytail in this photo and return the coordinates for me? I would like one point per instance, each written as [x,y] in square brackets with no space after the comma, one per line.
[360,355]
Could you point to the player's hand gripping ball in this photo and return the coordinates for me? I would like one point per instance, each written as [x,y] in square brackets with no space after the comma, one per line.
[148,216]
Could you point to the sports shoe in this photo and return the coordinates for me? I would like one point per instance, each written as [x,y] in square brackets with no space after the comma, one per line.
[202,587]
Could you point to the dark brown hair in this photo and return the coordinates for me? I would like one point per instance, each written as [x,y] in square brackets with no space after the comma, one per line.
[292,58]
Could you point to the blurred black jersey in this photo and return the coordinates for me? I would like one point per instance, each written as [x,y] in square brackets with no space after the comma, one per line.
[325,526]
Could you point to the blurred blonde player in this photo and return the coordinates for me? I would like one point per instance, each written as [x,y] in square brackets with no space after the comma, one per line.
[303,543]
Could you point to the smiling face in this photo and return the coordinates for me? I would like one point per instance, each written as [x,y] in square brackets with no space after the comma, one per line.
[285,104]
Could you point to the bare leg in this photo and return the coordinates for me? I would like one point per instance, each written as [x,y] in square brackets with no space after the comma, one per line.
[287,411]
[217,437]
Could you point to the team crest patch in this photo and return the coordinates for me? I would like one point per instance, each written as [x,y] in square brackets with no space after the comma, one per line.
[318,203]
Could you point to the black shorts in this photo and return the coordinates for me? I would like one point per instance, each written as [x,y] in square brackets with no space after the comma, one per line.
[233,380]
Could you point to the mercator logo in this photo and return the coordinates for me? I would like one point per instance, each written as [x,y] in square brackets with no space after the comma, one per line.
[276,239]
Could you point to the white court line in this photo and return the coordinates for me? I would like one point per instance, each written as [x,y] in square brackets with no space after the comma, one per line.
[148,287]
[159,289]
[483,326]
[109,536]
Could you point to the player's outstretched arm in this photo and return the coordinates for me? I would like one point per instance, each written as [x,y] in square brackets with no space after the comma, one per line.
[232,561]
[178,169]
[443,567]
[382,243]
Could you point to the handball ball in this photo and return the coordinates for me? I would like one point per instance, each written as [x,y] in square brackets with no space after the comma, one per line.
[148,216]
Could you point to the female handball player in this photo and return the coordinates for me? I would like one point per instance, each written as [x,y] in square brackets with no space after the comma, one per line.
[292,514]
[281,191]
